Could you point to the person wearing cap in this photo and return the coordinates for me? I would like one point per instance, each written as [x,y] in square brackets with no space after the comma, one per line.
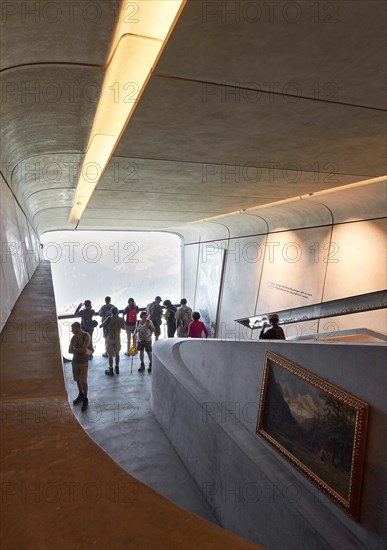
[79,347]
[130,317]
[275,332]
[155,313]
[143,333]
[87,323]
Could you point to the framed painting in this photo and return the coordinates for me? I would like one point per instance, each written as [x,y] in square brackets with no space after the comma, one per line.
[318,427]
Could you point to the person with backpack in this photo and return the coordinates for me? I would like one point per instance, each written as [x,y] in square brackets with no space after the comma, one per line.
[79,347]
[183,319]
[114,325]
[196,327]
[155,313]
[144,331]
[87,323]
[105,312]
[130,317]
[170,316]
[275,332]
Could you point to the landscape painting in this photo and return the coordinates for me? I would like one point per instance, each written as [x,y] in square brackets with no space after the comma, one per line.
[320,428]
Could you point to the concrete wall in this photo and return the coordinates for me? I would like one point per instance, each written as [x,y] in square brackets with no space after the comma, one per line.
[205,395]
[20,251]
[314,249]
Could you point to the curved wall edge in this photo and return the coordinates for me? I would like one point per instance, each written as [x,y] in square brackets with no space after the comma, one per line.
[205,395]
[312,249]
[20,251]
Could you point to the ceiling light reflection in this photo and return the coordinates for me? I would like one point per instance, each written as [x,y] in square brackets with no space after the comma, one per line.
[137,45]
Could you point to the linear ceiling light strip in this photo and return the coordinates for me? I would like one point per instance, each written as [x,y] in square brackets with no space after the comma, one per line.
[142,31]
[293,199]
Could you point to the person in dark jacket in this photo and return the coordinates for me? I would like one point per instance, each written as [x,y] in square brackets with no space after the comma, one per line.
[87,323]
[170,316]
[105,312]
[275,332]
[155,314]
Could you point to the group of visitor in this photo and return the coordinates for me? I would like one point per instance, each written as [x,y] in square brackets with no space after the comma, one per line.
[139,334]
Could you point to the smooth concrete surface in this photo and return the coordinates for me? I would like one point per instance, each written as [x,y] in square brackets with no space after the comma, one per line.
[206,394]
[60,489]
[261,102]
[20,251]
[302,252]
[119,419]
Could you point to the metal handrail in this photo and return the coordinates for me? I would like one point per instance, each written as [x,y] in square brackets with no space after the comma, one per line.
[73,316]
[370,301]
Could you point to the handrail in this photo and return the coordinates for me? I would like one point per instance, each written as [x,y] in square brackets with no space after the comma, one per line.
[334,308]
[72,316]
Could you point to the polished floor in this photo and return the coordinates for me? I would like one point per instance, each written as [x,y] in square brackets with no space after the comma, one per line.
[119,419]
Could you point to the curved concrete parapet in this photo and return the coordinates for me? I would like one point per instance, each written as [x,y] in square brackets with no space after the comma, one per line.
[59,489]
[205,395]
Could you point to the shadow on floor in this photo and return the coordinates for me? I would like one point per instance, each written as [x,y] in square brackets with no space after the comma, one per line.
[119,420]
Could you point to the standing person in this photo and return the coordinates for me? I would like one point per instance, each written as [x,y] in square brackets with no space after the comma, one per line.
[87,323]
[114,326]
[144,331]
[274,333]
[105,312]
[130,316]
[79,345]
[196,327]
[170,316]
[155,313]
[183,319]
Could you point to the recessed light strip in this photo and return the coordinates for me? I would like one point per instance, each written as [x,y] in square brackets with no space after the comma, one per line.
[293,199]
[138,42]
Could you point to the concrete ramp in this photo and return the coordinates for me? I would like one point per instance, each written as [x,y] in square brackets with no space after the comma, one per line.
[59,489]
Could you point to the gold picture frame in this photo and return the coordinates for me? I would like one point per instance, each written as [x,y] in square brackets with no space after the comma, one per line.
[318,427]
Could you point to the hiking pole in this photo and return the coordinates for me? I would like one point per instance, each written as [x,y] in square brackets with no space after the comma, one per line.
[132,353]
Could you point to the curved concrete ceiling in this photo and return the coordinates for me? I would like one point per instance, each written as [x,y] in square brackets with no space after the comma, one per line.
[208,136]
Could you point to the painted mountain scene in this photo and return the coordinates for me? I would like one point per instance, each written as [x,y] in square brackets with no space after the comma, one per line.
[315,427]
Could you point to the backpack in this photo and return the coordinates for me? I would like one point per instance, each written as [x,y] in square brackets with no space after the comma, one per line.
[149,309]
[87,319]
[187,318]
[131,317]
[106,327]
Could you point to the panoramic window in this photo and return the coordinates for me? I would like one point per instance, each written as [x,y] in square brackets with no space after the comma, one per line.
[91,265]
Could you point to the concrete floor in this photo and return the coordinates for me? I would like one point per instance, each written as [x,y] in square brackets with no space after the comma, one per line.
[60,489]
[119,419]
